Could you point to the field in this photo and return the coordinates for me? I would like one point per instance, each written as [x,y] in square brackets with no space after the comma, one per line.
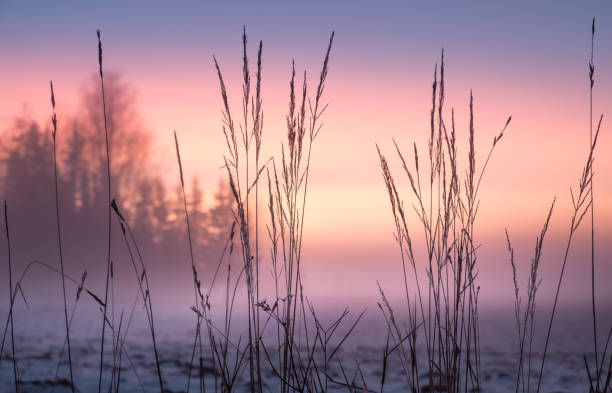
[119,279]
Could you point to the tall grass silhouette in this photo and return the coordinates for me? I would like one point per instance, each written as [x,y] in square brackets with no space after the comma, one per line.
[287,345]
[445,307]
[582,203]
[108,179]
[289,315]
[11,315]
[600,372]
[59,233]
[199,297]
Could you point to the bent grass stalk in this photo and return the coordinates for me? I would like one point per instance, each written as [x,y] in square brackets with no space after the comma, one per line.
[145,292]
[72,312]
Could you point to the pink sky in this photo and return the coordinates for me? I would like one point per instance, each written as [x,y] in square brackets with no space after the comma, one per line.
[378,88]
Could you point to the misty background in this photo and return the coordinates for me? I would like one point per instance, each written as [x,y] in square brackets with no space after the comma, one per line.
[531,65]
[152,206]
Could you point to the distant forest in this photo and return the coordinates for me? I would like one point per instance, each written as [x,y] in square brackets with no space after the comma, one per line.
[153,209]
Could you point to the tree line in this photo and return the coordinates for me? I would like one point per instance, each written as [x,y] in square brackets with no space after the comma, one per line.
[153,209]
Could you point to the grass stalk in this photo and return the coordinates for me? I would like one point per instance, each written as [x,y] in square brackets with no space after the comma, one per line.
[199,298]
[581,204]
[59,234]
[145,292]
[526,326]
[447,213]
[287,207]
[591,84]
[11,314]
[108,180]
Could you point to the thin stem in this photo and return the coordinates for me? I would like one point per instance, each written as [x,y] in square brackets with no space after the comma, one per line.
[108,179]
[196,281]
[10,266]
[59,235]
[592,82]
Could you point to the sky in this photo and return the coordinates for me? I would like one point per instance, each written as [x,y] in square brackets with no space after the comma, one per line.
[525,59]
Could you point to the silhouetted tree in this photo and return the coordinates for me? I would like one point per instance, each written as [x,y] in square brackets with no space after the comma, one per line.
[221,216]
[26,163]
[130,142]
[154,213]
[27,186]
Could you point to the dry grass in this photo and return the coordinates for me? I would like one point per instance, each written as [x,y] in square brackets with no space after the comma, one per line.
[289,316]
[108,249]
[602,375]
[445,308]
[10,317]
[287,347]
[447,315]
[59,234]
[582,203]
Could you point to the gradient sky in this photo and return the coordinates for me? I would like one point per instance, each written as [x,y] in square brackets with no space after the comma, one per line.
[525,59]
